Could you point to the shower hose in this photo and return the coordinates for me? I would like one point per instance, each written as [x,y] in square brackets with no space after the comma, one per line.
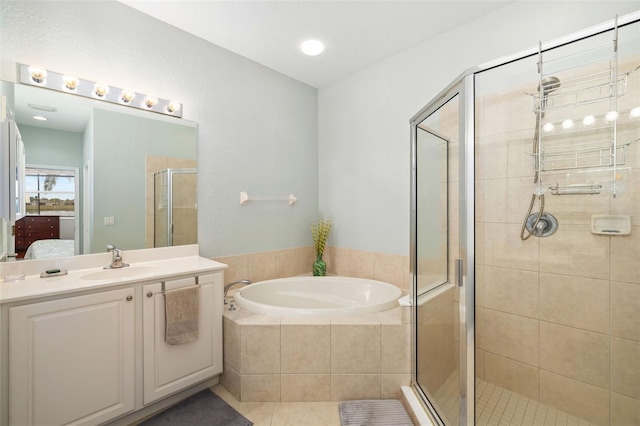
[524,232]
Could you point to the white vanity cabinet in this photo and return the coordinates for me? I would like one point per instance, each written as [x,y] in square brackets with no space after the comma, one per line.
[169,368]
[72,360]
[97,355]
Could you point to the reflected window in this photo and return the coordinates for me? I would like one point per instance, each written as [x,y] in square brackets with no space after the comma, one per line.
[50,192]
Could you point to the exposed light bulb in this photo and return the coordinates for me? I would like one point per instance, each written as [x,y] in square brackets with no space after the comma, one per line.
[150,101]
[567,124]
[127,96]
[548,127]
[611,116]
[173,106]
[101,90]
[634,113]
[589,120]
[38,74]
[312,47]
[70,83]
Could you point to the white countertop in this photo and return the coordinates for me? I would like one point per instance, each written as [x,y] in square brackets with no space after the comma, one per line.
[32,286]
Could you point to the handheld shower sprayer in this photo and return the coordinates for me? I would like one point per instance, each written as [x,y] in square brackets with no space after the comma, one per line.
[546,86]
[530,224]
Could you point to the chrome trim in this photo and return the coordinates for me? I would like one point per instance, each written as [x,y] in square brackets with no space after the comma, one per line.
[459,272]
[415,121]
[467,252]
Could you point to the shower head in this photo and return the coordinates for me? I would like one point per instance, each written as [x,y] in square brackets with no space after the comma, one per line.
[549,84]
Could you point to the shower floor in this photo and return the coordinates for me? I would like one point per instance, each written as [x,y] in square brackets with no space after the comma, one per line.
[497,406]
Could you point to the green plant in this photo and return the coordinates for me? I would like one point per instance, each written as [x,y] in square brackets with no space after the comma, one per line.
[320,233]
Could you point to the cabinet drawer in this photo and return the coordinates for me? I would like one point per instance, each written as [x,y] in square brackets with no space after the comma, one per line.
[41,219]
[41,235]
[42,227]
[21,244]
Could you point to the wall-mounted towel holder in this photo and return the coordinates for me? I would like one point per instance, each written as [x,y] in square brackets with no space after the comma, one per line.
[244,198]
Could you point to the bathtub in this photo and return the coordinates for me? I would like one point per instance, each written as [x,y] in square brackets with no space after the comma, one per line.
[331,296]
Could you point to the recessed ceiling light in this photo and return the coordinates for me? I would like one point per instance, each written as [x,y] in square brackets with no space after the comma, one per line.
[312,47]
[39,117]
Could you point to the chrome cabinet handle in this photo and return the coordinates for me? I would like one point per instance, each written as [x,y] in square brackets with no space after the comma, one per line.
[129,298]
[149,294]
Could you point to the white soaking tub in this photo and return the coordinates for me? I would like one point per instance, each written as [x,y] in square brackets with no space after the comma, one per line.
[330,296]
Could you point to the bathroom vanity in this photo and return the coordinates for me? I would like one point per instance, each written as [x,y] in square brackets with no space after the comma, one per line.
[88,347]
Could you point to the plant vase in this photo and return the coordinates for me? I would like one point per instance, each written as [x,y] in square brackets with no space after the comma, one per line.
[319,267]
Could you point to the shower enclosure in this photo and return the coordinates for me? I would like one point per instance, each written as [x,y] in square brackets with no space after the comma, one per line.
[175,207]
[526,237]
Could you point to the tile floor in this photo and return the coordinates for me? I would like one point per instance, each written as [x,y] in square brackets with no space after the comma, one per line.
[497,406]
[283,413]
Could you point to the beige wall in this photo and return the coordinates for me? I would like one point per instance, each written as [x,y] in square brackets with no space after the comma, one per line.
[390,268]
[558,318]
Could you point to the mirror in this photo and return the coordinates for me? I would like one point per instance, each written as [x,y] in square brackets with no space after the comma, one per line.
[90,169]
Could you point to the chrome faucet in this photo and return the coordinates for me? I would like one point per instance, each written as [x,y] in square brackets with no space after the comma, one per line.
[116,260]
[228,287]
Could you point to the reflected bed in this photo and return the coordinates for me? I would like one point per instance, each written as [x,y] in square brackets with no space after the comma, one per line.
[43,249]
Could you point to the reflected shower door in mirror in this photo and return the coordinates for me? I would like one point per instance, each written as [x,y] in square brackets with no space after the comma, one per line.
[175,207]
[116,150]
[437,222]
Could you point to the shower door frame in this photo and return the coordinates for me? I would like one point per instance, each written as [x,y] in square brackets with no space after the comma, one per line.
[170,172]
[464,88]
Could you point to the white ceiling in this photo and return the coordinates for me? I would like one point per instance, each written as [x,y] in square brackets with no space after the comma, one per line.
[357,34]
[71,113]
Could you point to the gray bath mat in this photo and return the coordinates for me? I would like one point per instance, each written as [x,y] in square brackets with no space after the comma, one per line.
[370,412]
[202,409]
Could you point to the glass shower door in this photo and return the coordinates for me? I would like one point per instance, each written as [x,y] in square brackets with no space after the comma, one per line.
[439,257]
[175,208]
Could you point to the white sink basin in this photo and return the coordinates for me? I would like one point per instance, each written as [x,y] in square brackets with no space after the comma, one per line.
[119,273]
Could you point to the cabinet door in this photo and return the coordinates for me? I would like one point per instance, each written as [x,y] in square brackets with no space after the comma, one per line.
[72,360]
[170,368]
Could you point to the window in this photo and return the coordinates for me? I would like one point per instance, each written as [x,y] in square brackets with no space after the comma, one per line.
[50,191]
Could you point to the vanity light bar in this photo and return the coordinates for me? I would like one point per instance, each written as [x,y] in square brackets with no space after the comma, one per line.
[40,77]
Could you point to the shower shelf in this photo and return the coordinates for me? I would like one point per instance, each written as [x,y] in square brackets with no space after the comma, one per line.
[577,189]
[585,90]
[589,158]
[584,155]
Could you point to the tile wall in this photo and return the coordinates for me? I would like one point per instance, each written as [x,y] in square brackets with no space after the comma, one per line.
[316,359]
[321,359]
[261,266]
[557,318]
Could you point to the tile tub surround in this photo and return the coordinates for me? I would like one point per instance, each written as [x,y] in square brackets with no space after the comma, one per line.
[267,265]
[269,359]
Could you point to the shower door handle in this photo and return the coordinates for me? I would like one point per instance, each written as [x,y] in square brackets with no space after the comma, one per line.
[459,272]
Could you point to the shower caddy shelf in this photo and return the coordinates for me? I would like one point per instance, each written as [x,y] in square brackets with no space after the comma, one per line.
[601,155]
